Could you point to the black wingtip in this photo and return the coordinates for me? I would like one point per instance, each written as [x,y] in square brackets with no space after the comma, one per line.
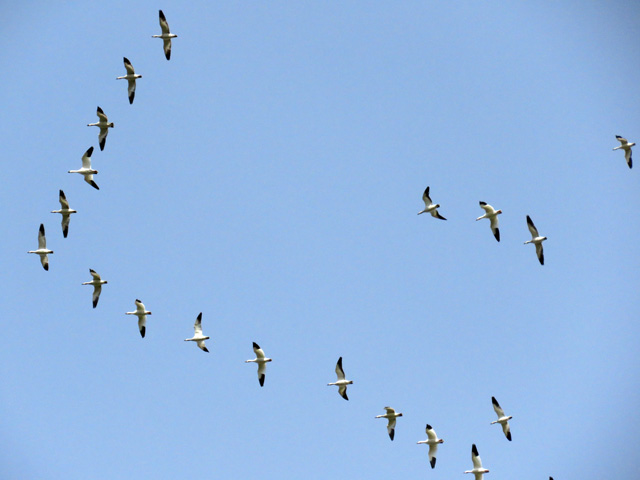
[429,427]
[89,151]
[100,110]
[138,301]
[94,185]
[392,433]
[483,203]
[41,230]
[255,345]
[46,267]
[65,232]
[509,436]
[433,462]
[168,54]
[102,143]
[200,316]
[494,401]
[474,450]
[95,304]
[345,396]
[340,362]
[143,330]
[262,380]
[205,349]
[126,60]
[131,99]
[497,234]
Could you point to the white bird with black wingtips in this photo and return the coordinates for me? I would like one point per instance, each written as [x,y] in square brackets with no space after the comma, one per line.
[536,239]
[65,211]
[492,214]
[429,206]
[342,381]
[261,360]
[198,337]
[626,146]
[478,471]
[391,416]
[141,312]
[166,35]
[433,442]
[502,418]
[97,283]
[86,171]
[42,250]
[104,126]
[130,77]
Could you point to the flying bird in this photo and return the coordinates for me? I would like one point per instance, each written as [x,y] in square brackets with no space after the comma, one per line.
[130,77]
[342,381]
[197,335]
[502,418]
[42,250]
[141,312]
[477,470]
[433,441]
[391,415]
[429,207]
[261,360]
[104,126]
[97,283]
[166,35]
[626,146]
[491,214]
[86,169]
[65,211]
[536,239]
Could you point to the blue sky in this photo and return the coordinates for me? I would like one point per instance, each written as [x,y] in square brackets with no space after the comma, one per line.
[269,176]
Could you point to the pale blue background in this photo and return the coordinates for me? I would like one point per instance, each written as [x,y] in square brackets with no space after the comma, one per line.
[269,176]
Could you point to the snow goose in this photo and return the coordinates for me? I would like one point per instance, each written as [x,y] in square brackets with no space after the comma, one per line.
[626,146]
[65,211]
[536,239]
[261,360]
[477,470]
[141,312]
[104,126]
[433,442]
[391,415]
[166,35]
[97,283]
[42,248]
[491,214]
[198,337]
[130,77]
[429,207]
[502,418]
[342,381]
[86,169]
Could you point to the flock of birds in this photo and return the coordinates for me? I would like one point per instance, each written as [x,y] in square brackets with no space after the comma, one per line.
[199,338]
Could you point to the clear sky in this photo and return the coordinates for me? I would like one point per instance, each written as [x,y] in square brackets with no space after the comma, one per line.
[269,176]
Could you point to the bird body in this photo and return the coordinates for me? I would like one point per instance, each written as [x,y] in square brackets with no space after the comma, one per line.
[626,146]
[391,416]
[261,360]
[429,206]
[97,283]
[342,382]
[198,337]
[141,312]
[65,211]
[166,35]
[433,441]
[86,171]
[502,418]
[130,77]
[104,126]
[492,214]
[42,250]
[536,239]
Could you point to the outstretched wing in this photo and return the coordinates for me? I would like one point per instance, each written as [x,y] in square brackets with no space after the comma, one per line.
[63,201]
[96,294]
[497,408]
[532,227]
[197,327]
[86,158]
[342,390]
[339,370]
[258,351]
[163,23]
[426,198]
[42,239]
